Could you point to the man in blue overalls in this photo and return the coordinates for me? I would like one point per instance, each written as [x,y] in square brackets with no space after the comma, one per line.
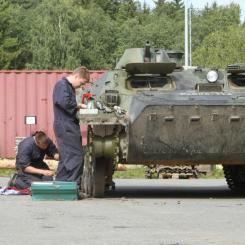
[29,160]
[66,125]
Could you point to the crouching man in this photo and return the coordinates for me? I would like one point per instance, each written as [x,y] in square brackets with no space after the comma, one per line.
[29,160]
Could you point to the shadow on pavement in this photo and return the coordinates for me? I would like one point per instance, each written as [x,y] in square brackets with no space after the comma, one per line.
[173,192]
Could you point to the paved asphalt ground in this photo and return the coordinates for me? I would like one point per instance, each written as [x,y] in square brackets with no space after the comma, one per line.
[167,212]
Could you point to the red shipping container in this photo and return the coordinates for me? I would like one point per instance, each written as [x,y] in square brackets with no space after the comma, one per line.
[27,93]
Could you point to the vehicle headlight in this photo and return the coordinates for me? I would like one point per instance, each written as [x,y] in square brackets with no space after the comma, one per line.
[212,76]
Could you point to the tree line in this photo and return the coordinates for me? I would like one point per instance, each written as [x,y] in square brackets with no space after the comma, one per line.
[62,34]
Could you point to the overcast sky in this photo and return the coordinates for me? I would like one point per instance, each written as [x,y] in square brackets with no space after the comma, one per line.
[202,3]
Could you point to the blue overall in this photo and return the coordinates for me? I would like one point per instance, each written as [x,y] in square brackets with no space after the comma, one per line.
[29,154]
[67,132]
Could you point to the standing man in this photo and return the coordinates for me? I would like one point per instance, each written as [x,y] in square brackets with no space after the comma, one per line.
[29,160]
[66,125]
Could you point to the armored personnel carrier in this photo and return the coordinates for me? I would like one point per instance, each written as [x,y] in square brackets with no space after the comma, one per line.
[152,110]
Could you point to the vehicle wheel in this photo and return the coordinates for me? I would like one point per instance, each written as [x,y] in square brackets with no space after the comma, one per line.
[86,181]
[109,171]
[98,177]
[235,177]
[93,178]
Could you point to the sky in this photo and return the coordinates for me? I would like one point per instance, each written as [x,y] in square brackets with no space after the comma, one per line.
[201,3]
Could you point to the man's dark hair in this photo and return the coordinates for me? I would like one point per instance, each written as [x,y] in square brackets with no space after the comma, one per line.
[40,137]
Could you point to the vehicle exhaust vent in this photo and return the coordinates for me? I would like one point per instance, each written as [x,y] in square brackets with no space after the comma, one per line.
[236,68]
[210,87]
[112,98]
[237,80]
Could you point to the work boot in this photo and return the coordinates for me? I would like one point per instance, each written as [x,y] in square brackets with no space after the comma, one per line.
[110,186]
[82,195]
[12,180]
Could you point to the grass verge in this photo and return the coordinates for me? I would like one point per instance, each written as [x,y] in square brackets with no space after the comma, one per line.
[6,172]
[134,173]
[215,174]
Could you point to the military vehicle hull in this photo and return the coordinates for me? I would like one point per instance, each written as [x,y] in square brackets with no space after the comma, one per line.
[175,129]
[150,110]
[190,132]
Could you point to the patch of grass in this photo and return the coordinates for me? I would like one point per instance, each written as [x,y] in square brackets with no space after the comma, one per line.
[133,173]
[215,174]
[6,172]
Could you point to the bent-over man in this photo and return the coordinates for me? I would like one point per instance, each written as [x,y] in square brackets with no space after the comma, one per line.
[29,160]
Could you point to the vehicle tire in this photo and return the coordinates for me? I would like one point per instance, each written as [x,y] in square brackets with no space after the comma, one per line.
[98,177]
[235,177]
[93,177]
[86,180]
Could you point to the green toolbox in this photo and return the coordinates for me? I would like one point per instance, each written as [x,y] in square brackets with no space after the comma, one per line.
[54,190]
